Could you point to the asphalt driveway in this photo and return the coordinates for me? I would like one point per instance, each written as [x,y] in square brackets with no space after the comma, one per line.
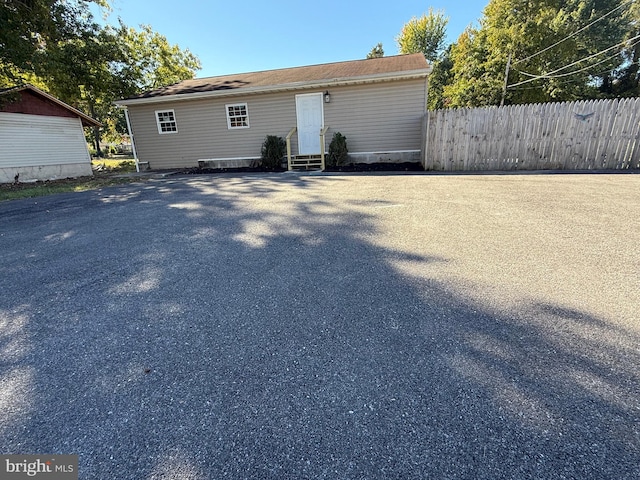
[310,326]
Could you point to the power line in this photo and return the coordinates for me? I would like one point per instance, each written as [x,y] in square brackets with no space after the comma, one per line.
[574,33]
[522,89]
[575,71]
[551,74]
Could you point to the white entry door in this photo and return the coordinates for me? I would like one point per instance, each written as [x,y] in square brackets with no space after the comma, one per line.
[310,117]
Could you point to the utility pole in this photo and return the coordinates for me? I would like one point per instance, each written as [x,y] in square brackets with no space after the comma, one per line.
[506,78]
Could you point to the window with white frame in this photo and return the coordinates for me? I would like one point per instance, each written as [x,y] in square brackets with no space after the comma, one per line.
[166,120]
[237,115]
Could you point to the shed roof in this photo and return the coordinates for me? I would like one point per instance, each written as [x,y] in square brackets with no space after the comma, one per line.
[319,76]
[87,121]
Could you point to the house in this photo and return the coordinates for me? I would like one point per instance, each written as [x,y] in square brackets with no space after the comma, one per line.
[41,137]
[377,104]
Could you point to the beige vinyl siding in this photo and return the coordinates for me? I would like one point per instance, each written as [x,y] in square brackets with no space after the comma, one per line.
[374,117]
[203,132]
[379,117]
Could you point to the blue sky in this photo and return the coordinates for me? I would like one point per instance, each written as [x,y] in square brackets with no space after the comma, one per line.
[250,35]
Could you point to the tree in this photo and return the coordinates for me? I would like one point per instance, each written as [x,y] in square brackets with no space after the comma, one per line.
[425,34]
[625,81]
[57,45]
[550,60]
[376,52]
[83,73]
[150,61]
[441,75]
[27,28]
[474,79]
[110,63]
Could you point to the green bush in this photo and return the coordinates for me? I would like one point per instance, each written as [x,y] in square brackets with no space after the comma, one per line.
[338,151]
[273,151]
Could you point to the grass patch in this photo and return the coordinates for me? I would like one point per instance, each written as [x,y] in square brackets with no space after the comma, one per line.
[12,191]
[113,165]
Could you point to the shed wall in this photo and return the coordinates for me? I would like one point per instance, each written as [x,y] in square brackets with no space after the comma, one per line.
[39,147]
[378,117]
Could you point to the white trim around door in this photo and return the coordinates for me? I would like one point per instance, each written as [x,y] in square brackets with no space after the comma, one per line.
[310,120]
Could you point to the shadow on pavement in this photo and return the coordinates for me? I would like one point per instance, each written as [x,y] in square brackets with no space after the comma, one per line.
[257,328]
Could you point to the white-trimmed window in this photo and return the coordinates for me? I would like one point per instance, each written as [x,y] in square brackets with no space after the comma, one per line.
[237,115]
[166,120]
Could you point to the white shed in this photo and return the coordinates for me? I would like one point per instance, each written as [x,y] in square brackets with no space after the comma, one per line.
[41,137]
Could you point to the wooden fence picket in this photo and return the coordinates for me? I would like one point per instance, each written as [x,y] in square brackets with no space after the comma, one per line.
[584,135]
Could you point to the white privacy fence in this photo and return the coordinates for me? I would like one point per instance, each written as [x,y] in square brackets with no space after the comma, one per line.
[586,135]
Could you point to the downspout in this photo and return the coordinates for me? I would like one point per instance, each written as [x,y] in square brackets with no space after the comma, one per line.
[133,144]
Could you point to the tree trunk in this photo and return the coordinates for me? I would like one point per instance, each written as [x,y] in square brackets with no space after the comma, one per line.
[96,136]
[96,130]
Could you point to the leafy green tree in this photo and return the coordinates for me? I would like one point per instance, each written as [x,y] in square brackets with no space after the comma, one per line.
[551,60]
[28,27]
[625,81]
[150,61]
[441,75]
[110,63]
[376,52]
[57,45]
[81,72]
[474,79]
[425,34]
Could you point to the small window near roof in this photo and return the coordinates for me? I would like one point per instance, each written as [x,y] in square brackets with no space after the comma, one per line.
[237,116]
[166,120]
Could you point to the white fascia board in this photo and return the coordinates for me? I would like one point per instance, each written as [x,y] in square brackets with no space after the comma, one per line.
[326,83]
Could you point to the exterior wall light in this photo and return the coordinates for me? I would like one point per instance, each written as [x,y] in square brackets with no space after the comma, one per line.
[327,97]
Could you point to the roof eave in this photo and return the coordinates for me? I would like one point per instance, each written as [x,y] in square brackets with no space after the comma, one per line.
[324,83]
